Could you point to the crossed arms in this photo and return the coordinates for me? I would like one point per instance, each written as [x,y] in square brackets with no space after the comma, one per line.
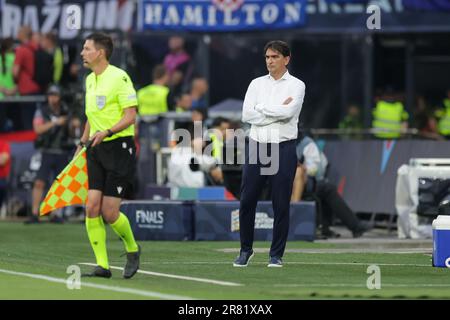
[261,114]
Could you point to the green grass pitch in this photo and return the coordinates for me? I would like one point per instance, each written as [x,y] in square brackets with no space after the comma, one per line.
[34,261]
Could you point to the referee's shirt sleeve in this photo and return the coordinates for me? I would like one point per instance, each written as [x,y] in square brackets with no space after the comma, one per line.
[126,93]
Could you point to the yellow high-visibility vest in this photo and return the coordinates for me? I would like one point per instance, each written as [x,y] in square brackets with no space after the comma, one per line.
[217,146]
[444,118]
[152,99]
[389,116]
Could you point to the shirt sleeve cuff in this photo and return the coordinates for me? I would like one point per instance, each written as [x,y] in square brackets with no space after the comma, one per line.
[129,105]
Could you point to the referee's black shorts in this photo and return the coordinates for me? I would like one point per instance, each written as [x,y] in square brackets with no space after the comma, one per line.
[111,167]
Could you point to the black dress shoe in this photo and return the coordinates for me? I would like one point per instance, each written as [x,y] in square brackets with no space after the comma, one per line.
[330,234]
[362,227]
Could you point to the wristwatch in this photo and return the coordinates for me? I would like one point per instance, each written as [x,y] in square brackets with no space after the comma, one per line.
[110,133]
[81,144]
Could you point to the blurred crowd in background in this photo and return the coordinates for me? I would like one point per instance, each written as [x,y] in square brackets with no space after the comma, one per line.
[41,90]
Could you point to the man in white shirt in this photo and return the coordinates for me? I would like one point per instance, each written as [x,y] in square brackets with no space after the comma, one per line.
[190,169]
[188,165]
[272,106]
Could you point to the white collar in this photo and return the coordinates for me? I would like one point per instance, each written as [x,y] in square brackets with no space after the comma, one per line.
[285,76]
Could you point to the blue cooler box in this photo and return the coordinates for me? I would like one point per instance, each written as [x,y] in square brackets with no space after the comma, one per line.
[441,242]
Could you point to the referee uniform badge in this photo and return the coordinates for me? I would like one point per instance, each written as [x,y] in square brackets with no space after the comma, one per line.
[101,101]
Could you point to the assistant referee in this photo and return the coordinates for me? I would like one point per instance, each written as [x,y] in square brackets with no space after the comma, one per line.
[111,113]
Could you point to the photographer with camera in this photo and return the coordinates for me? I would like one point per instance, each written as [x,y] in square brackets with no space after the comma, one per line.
[189,167]
[53,125]
[310,181]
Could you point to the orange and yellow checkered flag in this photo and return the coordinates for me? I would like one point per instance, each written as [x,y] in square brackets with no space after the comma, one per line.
[70,186]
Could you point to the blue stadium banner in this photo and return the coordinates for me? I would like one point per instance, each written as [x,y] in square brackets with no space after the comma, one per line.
[57,15]
[347,1]
[159,220]
[432,5]
[221,15]
[219,220]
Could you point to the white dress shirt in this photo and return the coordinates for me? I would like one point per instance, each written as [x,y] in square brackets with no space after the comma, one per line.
[271,121]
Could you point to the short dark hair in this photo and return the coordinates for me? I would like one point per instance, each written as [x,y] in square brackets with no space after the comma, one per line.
[102,41]
[159,71]
[218,121]
[280,46]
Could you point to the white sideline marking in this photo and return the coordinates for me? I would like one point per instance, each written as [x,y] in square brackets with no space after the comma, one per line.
[144,293]
[303,263]
[391,285]
[167,275]
[379,250]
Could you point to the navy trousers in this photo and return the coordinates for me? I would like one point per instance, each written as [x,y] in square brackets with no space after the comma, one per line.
[253,181]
